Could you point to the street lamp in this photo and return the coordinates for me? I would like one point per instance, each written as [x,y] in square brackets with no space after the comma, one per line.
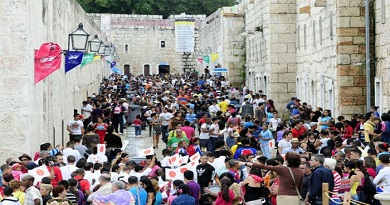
[102,48]
[107,50]
[78,39]
[95,44]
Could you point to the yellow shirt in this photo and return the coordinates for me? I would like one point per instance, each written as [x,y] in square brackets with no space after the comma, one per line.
[234,148]
[368,126]
[20,195]
[223,105]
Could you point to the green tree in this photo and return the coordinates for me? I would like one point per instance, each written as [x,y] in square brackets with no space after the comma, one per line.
[154,7]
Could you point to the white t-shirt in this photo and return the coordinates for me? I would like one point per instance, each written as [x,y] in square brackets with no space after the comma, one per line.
[165,117]
[274,122]
[384,178]
[215,132]
[165,162]
[204,135]
[324,143]
[86,111]
[75,127]
[284,145]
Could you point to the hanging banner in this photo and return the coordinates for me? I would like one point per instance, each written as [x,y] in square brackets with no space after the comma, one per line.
[46,60]
[206,59]
[73,59]
[87,58]
[214,56]
[113,64]
[97,57]
[184,35]
[200,60]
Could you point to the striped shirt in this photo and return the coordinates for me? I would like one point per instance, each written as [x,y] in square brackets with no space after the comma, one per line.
[337,183]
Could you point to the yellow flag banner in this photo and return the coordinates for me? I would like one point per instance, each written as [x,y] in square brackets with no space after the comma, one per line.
[214,56]
[97,57]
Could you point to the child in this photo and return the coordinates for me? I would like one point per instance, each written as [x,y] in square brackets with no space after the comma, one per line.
[137,125]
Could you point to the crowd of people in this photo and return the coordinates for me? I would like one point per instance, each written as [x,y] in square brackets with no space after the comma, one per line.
[205,116]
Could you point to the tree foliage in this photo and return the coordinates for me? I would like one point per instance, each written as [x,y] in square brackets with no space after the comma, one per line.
[154,7]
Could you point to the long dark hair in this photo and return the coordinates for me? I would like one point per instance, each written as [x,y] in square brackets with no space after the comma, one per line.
[225,184]
[350,165]
[72,185]
[148,186]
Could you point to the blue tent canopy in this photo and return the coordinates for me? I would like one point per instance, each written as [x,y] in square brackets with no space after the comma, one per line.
[115,70]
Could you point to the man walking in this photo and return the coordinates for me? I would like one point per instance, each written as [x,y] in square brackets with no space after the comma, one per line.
[33,196]
[320,175]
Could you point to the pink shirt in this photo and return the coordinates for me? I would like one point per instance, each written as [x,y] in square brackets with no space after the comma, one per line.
[189,131]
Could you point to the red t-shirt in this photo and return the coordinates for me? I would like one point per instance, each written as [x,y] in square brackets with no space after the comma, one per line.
[296,133]
[84,184]
[137,122]
[57,175]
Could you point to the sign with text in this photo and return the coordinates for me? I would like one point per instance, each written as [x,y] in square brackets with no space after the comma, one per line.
[185,35]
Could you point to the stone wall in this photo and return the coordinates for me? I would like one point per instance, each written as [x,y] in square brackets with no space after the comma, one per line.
[138,41]
[381,82]
[316,81]
[34,114]
[221,33]
[271,48]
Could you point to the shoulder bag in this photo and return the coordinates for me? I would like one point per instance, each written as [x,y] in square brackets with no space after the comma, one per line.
[296,187]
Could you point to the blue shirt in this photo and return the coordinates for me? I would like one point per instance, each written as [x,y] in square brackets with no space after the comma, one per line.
[269,116]
[247,124]
[324,119]
[191,117]
[142,195]
[183,199]
[244,151]
[267,135]
[158,199]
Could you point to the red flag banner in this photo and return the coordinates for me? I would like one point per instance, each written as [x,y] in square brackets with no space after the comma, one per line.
[46,60]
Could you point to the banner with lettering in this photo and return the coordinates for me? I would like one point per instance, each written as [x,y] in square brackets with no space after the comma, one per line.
[46,60]
[184,35]
[73,59]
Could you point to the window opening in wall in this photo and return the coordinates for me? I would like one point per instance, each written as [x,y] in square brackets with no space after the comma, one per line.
[314,33]
[313,94]
[298,88]
[383,11]
[331,25]
[298,37]
[306,91]
[322,100]
[126,48]
[126,68]
[304,36]
[162,44]
[378,95]
[265,85]
[331,98]
[320,30]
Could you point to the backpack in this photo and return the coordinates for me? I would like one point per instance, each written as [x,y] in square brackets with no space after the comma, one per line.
[118,109]
[368,187]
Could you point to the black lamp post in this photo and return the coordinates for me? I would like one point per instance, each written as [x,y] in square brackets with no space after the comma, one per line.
[78,39]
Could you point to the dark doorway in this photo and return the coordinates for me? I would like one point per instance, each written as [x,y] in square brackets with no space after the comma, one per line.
[146,70]
[163,69]
[127,69]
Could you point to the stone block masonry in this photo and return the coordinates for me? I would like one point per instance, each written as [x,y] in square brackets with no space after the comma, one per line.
[30,114]
[351,47]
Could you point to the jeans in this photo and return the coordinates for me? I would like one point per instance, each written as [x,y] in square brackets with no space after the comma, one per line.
[336,200]
[164,133]
[137,130]
[265,150]
[204,143]
[116,122]
[213,140]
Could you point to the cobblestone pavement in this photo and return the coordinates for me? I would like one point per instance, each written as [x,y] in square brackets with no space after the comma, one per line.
[143,142]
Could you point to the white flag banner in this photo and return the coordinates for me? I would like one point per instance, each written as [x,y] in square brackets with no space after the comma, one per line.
[145,152]
[271,144]
[195,157]
[184,159]
[38,173]
[101,149]
[173,174]
[125,143]
[174,160]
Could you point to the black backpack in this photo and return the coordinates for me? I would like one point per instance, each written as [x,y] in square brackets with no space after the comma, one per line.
[368,187]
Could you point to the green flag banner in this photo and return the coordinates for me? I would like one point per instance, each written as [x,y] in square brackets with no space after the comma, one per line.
[87,58]
[206,59]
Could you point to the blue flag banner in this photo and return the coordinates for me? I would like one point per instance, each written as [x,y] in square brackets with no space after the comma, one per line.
[113,64]
[73,59]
